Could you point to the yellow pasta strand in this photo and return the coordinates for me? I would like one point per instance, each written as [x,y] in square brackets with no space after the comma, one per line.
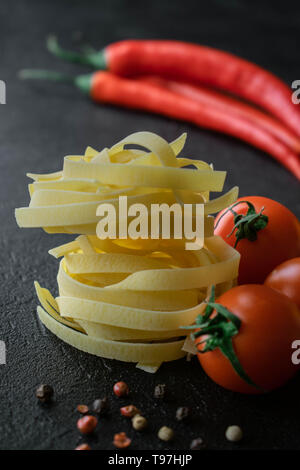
[120,298]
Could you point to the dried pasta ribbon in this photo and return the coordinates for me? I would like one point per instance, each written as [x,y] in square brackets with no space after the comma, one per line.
[127,299]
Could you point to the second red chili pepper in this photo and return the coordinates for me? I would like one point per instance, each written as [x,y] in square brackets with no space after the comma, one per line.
[106,87]
[209,97]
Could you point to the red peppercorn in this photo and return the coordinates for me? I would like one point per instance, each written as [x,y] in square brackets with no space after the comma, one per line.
[83,409]
[87,424]
[121,389]
[83,447]
[121,441]
[129,411]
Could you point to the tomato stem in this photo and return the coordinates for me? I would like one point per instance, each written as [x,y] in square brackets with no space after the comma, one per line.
[219,330]
[247,225]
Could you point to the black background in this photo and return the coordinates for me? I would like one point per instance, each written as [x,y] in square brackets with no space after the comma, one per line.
[43,122]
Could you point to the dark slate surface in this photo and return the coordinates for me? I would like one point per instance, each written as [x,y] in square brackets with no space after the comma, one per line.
[39,125]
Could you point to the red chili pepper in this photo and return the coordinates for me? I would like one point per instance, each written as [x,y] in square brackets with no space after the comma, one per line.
[196,64]
[209,97]
[105,87]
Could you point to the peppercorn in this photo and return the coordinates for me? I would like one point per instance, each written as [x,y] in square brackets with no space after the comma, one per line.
[160,391]
[100,406]
[182,413]
[165,433]
[197,444]
[121,389]
[139,422]
[87,424]
[83,409]
[129,411]
[234,433]
[121,440]
[83,447]
[44,393]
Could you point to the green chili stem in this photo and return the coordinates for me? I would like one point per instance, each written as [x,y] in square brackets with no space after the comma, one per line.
[92,58]
[45,75]
[83,82]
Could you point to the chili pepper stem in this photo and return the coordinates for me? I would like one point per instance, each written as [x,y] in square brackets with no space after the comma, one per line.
[44,75]
[94,59]
[83,82]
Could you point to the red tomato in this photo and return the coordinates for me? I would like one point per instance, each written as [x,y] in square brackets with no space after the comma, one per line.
[277,242]
[270,323]
[286,279]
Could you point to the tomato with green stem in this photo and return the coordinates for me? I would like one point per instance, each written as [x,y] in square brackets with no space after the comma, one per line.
[263,231]
[285,278]
[245,339]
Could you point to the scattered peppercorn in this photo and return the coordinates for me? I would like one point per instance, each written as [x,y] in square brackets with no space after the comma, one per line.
[83,447]
[129,411]
[182,413]
[234,433]
[87,424]
[44,393]
[83,409]
[160,391]
[197,444]
[139,422]
[100,406]
[121,440]
[165,433]
[121,389]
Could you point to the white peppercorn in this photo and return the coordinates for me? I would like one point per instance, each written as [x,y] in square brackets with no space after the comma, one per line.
[139,422]
[234,433]
[165,433]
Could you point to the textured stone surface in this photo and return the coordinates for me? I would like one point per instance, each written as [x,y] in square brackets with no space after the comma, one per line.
[39,125]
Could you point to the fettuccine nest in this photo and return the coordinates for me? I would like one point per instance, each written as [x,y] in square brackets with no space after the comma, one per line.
[128,299]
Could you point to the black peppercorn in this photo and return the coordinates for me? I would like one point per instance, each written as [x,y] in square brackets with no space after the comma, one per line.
[182,413]
[160,391]
[44,393]
[197,444]
[100,406]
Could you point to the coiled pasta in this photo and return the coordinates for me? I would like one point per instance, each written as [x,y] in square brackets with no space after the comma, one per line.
[128,299]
